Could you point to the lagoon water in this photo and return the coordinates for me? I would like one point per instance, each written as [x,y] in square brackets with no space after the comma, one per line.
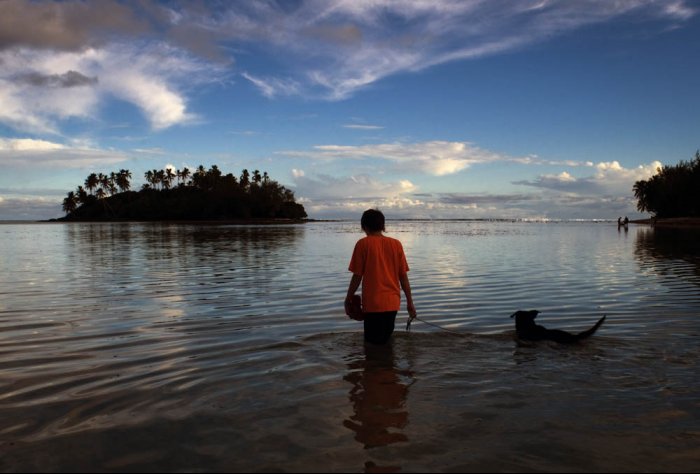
[165,347]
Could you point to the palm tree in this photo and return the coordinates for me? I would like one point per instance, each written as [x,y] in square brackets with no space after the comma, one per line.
[244,182]
[169,177]
[257,178]
[112,183]
[640,189]
[70,203]
[123,180]
[81,195]
[104,183]
[149,178]
[156,178]
[163,180]
[185,174]
[92,182]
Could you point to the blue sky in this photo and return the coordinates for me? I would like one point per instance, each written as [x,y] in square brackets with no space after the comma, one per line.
[425,109]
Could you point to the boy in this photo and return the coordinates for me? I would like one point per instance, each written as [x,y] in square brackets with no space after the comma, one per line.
[379,263]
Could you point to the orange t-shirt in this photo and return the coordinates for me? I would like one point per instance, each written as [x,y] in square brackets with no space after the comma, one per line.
[379,260]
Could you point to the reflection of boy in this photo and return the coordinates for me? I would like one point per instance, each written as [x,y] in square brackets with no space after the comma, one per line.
[379,263]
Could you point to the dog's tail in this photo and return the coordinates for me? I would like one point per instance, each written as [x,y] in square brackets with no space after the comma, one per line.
[590,332]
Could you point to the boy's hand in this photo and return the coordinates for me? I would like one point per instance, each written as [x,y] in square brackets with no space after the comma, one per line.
[411,315]
[411,310]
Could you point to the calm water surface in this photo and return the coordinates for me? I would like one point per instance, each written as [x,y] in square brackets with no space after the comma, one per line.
[151,347]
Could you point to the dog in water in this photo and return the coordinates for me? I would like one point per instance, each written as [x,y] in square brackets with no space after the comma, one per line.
[526,329]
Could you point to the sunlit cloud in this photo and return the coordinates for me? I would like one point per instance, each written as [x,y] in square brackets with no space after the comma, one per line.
[320,187]
[28,153]
[28,145]
[609,178]
[436,158]
[603,195]
[40,88]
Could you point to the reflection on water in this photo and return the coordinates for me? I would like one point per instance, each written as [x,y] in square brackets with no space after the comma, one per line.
[669,245]
[378,398]
[148,347]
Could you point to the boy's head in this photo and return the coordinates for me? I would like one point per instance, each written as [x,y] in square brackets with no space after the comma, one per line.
[372,221]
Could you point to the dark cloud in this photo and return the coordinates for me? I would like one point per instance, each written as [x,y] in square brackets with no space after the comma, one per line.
[69,26]
[76,25]
[68,79]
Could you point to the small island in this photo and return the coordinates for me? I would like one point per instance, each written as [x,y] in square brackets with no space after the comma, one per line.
[171,194]
[672,195]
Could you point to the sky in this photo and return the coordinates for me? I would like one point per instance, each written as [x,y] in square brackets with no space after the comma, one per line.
[433,109]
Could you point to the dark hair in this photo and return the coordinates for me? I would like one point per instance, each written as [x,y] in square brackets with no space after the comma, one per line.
[373,220]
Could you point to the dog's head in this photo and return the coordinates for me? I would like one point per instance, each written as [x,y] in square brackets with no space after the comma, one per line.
[525,318]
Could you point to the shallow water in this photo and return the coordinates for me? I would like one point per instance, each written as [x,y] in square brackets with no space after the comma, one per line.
[149,347]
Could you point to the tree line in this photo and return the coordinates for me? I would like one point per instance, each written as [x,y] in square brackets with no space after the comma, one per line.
[674,191]
[182,194]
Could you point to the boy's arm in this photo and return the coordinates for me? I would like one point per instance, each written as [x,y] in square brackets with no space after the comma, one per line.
[354,285]
[406,285]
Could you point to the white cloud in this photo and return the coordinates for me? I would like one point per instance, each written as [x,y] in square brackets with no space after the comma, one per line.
[325,187]
[560,196]
[613,172]
[28,153]
[38,88]
[437,158]
[363,127]
[605,194]
[610,178]
[28,144]
[335,48]
[273,87]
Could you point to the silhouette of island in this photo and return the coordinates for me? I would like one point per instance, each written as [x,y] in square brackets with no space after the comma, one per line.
[182,195]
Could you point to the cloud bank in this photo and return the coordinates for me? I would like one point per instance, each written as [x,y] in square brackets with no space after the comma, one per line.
[604,194]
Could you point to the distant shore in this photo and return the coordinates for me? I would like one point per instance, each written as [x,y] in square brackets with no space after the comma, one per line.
[251,221]
[670,222]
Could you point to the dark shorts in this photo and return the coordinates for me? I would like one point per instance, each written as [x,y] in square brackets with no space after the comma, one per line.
[379,326]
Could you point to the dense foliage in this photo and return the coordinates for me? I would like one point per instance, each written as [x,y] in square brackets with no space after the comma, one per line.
[673,192]
[180,194]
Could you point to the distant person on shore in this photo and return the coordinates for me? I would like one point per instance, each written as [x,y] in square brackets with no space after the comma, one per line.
[626,221]
[619,221]
[379,263]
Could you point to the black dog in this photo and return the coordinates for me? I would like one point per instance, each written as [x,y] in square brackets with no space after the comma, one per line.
[526,328]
